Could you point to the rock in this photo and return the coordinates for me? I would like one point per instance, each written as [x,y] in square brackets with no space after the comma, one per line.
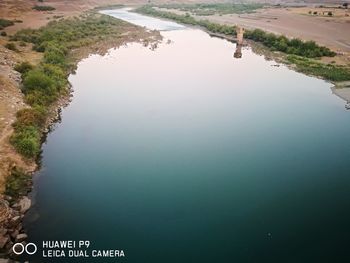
[3,241]
[14,234]
[3,231]
[15,221]
[19,227]
[21,237]
[25,204]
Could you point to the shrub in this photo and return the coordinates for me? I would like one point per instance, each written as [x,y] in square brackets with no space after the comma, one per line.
[5,23]
[290,46]
[55,54]
[330,13]
[23,67]
[43,8]
[17,183]
[27,141]
[3,33]
[11,46]
[37,80]
[30,117]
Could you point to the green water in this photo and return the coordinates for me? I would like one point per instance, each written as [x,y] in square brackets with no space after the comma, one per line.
[185,154]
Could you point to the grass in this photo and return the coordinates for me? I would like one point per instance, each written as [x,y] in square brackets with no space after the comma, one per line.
[43,84]
[326,71]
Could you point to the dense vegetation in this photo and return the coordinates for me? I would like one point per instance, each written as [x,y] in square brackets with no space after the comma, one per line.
[294,46]
[212,9]
[326,71]
[43,8]
[5,23]
[43,84]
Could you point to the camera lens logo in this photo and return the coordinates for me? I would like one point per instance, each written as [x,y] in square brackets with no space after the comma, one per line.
[19,248]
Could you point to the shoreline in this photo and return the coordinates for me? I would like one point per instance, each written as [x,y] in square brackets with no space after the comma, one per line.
[339,88]
[11,228]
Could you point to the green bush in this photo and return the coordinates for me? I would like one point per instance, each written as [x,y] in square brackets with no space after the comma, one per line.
[294,46]
[3,33]
[30,117]
[55,54]
[11,46]
[23,67]
[17,183]
[43,8]
[27,141]
[37,80]
[5,23]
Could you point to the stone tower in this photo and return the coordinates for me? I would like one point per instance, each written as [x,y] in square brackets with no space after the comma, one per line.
[240,35]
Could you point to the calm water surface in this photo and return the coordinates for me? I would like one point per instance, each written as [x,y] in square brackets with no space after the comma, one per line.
[185,154]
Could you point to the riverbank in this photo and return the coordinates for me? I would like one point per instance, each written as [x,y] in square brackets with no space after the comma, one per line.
[307,57]
[46,90]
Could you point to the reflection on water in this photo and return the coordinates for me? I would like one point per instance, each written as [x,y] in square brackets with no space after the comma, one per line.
[238,51]
[183,154]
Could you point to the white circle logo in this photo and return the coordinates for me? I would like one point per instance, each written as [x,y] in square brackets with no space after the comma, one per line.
[19,248]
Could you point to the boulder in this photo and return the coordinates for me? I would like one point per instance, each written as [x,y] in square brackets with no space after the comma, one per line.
[25,204]
[14,234]
[3,241]
[21,237]
[14,221]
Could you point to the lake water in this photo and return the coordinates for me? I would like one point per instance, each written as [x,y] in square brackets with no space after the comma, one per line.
[185,154]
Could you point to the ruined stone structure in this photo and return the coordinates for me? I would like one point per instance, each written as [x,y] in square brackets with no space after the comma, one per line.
[240,35]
